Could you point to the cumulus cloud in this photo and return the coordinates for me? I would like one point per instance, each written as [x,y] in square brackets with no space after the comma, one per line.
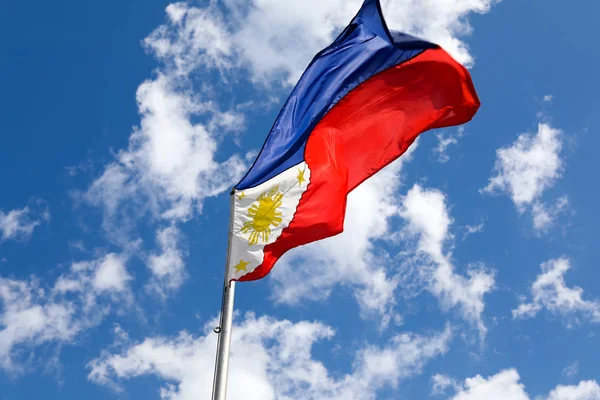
[27,317]
[441,384]
[585,390]
[506,385]
[275,40]
[172,162]
[503,386]
[19,224]
[111,274]
[353,259]
[426,214]
[104,275]
[169,167]
[273,357]
[527,168]
[192,38]
[167,267]
[550,292]
[544,216]
[32,315]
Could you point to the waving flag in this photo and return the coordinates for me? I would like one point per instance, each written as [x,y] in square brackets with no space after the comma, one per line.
[359,105]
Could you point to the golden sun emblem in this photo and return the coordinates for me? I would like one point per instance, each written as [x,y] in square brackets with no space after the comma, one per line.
[264,214]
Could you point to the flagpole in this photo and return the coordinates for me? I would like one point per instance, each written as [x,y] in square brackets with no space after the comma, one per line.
[224,328]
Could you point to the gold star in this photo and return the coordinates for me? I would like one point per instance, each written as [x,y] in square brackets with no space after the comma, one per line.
[241,266]
[300,177]
[241,196]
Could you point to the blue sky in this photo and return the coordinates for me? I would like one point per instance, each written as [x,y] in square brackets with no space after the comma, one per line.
[467,269]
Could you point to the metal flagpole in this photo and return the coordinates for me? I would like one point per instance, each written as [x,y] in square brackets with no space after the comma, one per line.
[224,328]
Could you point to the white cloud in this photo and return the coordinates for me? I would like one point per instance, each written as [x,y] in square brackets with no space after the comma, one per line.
[550,291]
[544,217]
[32,315]
[503,386]
[426,215]
[527,168]
[170,164]
[571,370]
[19,224]
[531,165]
[167,267]
[194,37]
[227,121]
[445,140]
[104,275]
[441,384]
[111,274]
[403,356]
[272,357]
[27,317]
[276,40]
[506,386]
[351,258]
[548,98]
[585,390]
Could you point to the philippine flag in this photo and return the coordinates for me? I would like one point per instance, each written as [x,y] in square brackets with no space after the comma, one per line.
[359,105]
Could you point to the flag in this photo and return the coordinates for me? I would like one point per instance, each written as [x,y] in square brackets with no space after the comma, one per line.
[359,105]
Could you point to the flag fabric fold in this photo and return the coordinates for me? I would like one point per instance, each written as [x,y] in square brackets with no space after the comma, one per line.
[359,105]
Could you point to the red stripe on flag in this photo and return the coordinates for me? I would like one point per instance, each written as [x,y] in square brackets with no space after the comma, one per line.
[368,129]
